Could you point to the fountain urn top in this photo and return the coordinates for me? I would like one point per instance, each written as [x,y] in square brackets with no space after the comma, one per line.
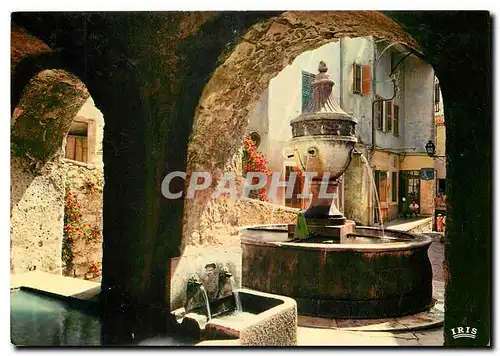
[323,115]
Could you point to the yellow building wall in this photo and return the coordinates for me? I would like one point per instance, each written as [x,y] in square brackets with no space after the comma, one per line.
[440,151]
[416,162]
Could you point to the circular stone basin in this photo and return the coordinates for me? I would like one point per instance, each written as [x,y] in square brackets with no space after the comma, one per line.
[363,275]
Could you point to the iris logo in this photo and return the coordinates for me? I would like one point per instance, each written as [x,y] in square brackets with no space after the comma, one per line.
[460,332]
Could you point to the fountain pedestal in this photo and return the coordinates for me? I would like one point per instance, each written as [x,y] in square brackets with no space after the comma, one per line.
[323,137]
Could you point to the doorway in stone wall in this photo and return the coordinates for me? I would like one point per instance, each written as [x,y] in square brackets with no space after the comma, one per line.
[409,189]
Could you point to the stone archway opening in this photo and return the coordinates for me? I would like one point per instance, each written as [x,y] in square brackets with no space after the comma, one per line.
[236,86]
[235,91]
[56,178]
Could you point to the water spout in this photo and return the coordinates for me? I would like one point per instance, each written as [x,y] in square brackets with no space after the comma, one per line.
[224,287]
[196,296]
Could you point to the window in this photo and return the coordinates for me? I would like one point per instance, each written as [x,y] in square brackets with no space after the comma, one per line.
[307,89]
[356,88]
[396,120]
[437,97]
[441,186]
[394,186]
[381,184]
[76,142]
[378,113]
[388,116]
[361,79]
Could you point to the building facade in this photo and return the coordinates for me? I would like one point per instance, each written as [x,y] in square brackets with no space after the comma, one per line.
[390,92]
[440,158]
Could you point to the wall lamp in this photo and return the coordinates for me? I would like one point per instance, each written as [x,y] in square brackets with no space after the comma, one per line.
[430,147]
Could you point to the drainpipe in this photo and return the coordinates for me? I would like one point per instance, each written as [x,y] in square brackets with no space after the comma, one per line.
[374,91]
[371,219]
[341,62]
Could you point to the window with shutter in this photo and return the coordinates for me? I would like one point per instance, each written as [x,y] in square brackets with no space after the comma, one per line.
[437,97]
[356,87]
[394,184]
[388,116]
[307,89]
[366,80]
[396,120]
[378,113]
[76,142]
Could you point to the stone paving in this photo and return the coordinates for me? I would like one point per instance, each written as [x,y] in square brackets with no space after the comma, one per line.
[52,283]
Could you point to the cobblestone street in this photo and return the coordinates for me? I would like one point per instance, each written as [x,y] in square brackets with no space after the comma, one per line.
[436,256]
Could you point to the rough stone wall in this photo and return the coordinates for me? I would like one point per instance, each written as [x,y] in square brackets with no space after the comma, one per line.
[36,218]
[224,219]
[23,44]
[77,175]
[37,215]
[425,226]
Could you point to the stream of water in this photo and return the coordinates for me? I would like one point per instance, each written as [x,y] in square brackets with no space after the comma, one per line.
[207,303]
[375,192]
[236,293]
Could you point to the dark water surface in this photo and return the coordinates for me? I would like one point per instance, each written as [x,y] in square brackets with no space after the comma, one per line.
[40,320]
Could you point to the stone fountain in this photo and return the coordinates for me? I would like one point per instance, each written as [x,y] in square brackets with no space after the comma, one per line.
[323,140]
[330,266]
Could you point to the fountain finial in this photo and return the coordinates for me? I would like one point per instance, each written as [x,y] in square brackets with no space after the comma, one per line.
[322,68]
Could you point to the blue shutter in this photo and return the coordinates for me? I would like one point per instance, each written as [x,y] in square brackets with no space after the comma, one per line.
[307,89]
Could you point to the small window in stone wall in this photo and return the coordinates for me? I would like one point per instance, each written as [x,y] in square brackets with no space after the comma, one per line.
[76,142]
[437,96]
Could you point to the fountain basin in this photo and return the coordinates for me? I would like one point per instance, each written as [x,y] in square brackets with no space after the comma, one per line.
[364,275]
[265,320]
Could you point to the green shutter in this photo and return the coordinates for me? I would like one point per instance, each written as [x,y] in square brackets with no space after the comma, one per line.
[394,186]
[307,89]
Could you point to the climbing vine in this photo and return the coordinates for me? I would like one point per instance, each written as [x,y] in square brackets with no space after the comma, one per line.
[74,228]
[254,161]
[72,217]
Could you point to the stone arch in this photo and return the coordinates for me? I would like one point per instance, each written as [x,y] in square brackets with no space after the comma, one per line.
[43,115]
[237,84]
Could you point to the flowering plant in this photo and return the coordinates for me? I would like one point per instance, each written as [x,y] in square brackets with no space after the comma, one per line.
[93,232]
[90,187]
[74,228]
[94,268]
[255,161]
[72,217]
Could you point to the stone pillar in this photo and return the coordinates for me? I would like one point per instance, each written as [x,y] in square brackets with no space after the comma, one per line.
[460,51]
